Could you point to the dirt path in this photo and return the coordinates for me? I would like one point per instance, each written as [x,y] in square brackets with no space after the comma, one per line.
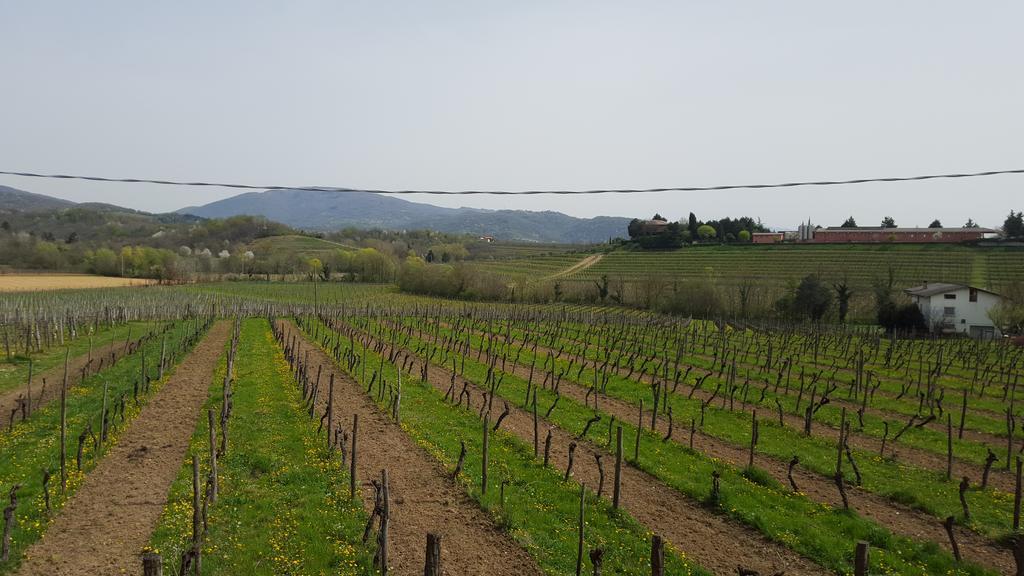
[424,497]
[714,541]
[46,385]
[577,267]
[106,523]
[999,479]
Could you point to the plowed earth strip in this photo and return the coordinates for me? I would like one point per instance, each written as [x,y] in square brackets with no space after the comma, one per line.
[424,498]
[715,542]
[104,526]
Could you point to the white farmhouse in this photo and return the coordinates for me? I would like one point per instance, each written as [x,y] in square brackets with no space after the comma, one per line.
[956,308]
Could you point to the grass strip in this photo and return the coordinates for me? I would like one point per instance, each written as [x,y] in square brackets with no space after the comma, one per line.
[283,505]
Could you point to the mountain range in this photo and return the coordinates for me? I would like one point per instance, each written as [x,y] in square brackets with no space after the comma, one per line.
[325,211]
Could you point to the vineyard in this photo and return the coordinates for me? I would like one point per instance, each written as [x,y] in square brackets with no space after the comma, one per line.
[340,428]
[763,273]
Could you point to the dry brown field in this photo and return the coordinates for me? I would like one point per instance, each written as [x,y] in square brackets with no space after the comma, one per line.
[34,282]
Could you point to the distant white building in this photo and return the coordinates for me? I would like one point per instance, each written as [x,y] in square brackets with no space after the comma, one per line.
[956,308]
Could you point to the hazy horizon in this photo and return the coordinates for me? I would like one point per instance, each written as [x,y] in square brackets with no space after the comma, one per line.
[532,95]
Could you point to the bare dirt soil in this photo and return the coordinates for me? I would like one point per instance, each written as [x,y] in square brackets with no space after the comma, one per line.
[104,526]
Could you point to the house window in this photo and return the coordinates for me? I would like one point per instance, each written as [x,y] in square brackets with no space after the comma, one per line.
[949,311]
[949,296]
[973,297]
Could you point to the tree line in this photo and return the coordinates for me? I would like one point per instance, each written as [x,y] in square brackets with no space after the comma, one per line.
[691,231]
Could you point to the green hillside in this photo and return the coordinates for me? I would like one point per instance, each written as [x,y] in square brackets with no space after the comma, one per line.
[304,246]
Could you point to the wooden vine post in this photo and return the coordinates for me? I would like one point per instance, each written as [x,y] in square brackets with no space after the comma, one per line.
[536,429]
[753,438]
[432,565]
[639,430]
[197,519]
[212,423]
[1016,496]
[949,447]
[152,564]
[330,414]
[657,556]
[385,521]
[28,388]
[352,459]
[617,488]
[486,450]
[5,547]
[64,425]
[860,559]
[580,534]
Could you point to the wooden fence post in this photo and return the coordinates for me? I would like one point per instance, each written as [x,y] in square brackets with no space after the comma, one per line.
[860,559]
[432,566]
[152,564]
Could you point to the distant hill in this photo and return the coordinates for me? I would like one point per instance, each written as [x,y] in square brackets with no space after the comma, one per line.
[96,224]
[14,199]
[319,210]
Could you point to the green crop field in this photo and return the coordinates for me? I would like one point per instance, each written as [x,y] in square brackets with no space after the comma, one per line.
[333,427]
[505,251]
[534,268]
[304,246]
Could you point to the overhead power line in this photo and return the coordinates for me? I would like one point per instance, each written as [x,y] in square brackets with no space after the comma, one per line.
[522,192]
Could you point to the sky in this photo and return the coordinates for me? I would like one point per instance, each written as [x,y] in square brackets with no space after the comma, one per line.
[525,95]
